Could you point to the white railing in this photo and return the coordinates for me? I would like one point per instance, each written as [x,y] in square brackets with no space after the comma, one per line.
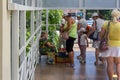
[23,62]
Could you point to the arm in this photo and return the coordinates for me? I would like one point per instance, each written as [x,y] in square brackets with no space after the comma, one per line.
[102,33]
[69,23]
[92,29]
[49,44]
[79,26]
[87,41]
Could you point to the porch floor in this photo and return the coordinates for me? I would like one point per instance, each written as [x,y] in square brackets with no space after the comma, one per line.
[61,71]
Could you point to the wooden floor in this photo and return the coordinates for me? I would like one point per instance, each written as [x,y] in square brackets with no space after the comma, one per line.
[61,71]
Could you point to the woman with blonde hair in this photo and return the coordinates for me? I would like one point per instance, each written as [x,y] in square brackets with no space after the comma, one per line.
[113,53]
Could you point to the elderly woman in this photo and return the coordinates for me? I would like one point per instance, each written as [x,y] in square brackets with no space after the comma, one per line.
[71,29]
[96,26]
[113,53]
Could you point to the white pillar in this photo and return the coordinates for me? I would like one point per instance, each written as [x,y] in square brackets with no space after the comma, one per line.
[15,45]
[5,56]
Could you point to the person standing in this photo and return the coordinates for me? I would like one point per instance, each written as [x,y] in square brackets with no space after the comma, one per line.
[96,26]
[83,45]
[112,55]
[82,23]
[71,29]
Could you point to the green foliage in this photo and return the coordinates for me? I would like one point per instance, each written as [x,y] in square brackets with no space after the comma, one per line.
[43,16]
[89,13]
[105,13]
[53,38]
[55,16]
[28,13]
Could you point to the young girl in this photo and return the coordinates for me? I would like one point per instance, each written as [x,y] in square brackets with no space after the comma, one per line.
[84,45]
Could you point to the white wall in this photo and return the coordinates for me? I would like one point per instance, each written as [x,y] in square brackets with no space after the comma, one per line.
[5,69]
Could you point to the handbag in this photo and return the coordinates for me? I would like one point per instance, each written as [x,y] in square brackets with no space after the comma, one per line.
[104,41]
[94,35]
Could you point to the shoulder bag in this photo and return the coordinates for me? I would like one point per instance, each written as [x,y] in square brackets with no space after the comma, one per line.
[95,35]
[104,41]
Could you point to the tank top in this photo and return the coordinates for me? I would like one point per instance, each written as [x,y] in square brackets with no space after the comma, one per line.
[73,31]
[114,33]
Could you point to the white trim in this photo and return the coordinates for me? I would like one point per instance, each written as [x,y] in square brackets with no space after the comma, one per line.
[62,8]
[15,6]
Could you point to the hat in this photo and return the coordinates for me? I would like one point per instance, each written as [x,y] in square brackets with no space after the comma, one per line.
[65,14]
[79,15]
[82,29]
[95,14]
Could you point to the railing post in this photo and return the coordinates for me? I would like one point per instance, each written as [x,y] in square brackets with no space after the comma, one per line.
[32,26]
[15,45]
[23,38]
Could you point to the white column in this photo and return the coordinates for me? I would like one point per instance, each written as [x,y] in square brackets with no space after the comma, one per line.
[5,48]
[15,45]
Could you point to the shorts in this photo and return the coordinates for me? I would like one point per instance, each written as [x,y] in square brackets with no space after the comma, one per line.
[96,44]
[70,44]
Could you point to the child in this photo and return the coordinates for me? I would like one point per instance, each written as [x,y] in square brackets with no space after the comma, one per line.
[84,45]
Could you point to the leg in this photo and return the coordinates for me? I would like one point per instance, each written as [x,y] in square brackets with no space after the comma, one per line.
[69,48]
[80,56]
[110,67]
[79,35]
[83,52]
[71,57]
[117,62]
[96,55]
[96,46]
